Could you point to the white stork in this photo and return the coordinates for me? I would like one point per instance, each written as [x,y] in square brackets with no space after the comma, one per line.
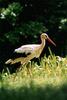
[34,49]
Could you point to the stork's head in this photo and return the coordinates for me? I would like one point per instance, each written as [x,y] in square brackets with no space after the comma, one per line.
[46,37]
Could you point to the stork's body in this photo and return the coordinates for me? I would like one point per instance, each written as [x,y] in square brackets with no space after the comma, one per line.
[29,49]
[34,50]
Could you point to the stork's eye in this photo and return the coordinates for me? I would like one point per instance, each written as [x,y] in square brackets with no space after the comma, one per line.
[46,36]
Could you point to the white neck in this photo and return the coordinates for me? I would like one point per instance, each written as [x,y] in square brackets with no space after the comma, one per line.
[43,42]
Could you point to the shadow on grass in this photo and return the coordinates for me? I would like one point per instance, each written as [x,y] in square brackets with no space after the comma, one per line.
[34,93]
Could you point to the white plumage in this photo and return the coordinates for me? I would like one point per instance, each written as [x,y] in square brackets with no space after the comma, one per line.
[26,48]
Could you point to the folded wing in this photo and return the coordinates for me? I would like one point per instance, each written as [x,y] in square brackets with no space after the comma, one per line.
[26,49]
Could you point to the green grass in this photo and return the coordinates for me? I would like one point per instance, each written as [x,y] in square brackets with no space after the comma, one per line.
[47,81]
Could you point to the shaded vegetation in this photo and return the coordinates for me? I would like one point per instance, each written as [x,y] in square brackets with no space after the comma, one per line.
[28,18]
[34,93]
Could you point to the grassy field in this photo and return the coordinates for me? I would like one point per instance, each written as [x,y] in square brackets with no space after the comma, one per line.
[47,81]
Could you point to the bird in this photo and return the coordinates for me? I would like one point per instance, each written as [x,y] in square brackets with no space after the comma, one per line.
[35,50]
[30,48]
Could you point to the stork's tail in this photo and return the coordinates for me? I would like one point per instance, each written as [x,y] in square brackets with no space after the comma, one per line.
[16,60]
[9,61]
[22,60]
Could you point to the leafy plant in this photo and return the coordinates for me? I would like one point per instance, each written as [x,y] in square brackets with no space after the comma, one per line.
[30,29]
[11,12]
[33,28]
[63,24]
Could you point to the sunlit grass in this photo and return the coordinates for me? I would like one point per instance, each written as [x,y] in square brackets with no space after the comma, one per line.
[51,71]
[36,82]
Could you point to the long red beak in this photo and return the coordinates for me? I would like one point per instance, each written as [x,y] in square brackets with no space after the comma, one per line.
[51,41]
